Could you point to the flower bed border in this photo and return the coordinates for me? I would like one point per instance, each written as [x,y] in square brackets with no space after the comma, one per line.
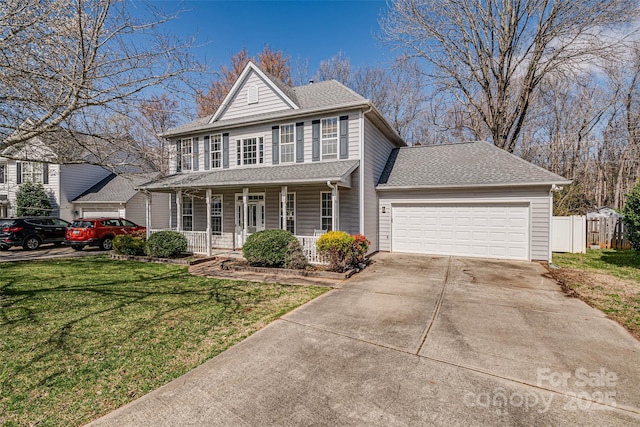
[154,260]
[229,265]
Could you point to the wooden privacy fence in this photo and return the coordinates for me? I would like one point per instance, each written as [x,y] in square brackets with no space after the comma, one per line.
[608,233]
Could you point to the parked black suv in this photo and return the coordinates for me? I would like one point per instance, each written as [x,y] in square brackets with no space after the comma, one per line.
[31,232]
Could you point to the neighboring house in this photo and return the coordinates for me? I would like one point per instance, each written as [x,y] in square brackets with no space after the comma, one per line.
[321,157]
[63,182]
[116,195]
[604,212]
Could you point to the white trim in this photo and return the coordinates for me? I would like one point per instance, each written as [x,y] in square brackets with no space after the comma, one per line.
[293,143]
[221,213]
[337,138]
[182,214]
[258,151]
[361,176]
[463,186]
[295,211]
[330,193]
[211,151]
[240,81]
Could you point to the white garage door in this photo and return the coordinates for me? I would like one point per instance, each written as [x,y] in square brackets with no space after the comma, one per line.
[473,230]
[100,212]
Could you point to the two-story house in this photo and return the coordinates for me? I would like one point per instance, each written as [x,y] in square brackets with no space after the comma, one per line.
[39,164]
[321,157]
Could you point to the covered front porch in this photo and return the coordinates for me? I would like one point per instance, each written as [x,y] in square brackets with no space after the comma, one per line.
[222,216]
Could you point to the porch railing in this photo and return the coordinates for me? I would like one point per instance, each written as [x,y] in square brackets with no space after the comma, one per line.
[196,240]
[308,244]
[197,244]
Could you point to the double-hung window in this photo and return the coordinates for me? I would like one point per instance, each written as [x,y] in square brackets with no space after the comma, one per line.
[329,138]
[31,172]
[186,154]
[287,143]
[187,213]
[250,151]
[326,211]
[216,214]
[216,151]
[3,173]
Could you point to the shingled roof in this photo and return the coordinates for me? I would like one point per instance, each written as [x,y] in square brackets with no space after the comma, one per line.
[469,164]
[310,98]
[305,173]
[115,188]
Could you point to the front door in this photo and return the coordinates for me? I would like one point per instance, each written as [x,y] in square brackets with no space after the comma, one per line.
[255,217]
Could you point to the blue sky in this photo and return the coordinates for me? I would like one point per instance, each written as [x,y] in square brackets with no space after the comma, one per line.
[305,30]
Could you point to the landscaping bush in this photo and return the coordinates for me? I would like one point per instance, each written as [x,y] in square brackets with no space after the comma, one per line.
[632,217]
[359,249]
[295,257]
[337,248]
[32,200]
[166,244]
[268,247]
[342,250]
[126,244]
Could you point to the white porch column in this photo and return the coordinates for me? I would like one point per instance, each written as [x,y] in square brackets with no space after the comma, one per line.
[283,207]
[245,213]
[208,199]
[147,206]
[334,208]
[179,210]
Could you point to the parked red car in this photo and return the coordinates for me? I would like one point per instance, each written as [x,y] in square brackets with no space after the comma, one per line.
[98,232]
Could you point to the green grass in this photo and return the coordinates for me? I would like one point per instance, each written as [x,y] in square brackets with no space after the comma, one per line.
[624,264]
[606,279]
[81,337]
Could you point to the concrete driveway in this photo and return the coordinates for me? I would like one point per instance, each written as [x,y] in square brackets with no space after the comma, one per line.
[16,253]
[417,340]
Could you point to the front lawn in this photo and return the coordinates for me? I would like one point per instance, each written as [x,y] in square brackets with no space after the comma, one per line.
[606,279]
[81,337]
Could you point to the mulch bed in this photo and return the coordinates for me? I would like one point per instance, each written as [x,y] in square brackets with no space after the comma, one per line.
[186,259]
[237,265]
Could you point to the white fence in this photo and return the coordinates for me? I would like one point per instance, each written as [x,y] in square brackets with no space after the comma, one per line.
[309,249]
[197,244]
[569,234]
[196,241]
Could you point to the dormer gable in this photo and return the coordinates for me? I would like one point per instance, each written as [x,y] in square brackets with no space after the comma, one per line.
[254,93]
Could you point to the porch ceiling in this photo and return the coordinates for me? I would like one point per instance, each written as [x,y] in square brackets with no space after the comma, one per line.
[301,173]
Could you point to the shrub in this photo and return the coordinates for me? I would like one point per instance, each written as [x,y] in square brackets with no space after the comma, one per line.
[337,247]
[32,200]
[268,247]
[359,249]
[126,244]
[166,244]
[631,219]
[295,257]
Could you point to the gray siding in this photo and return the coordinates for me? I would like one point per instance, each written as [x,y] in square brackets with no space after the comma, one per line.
[268,100]
[377,149]
[537,197]
[136,210]
[349,204]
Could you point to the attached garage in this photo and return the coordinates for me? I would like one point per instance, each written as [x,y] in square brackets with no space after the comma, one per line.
[100,212]
[462,229]
[467,199]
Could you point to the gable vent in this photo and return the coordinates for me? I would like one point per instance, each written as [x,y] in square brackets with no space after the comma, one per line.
[252,94]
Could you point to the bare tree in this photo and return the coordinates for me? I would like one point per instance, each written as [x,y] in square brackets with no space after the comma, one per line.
[71,62]
[269,60]
[493,55]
